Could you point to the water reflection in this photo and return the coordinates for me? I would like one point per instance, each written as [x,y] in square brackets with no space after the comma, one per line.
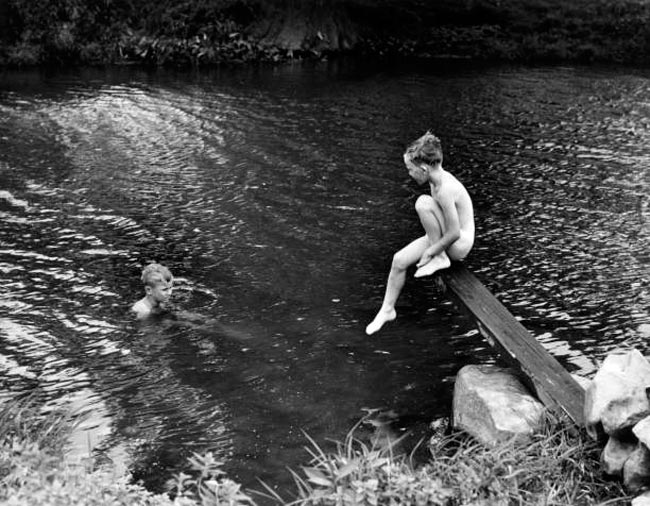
[276,196]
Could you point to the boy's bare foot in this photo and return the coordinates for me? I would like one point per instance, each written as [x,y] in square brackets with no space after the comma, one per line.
[437,263]
[381,318]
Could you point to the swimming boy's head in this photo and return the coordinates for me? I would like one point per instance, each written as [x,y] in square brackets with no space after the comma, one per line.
[158,282]
[427,149]
[156,273]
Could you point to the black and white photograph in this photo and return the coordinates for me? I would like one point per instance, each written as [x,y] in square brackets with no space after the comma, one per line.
[325,252]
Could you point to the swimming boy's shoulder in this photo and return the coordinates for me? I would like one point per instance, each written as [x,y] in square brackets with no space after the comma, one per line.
[141,309]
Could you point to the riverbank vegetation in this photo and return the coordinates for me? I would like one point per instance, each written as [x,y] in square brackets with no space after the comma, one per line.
[209,32]
[559,467]
[34,470]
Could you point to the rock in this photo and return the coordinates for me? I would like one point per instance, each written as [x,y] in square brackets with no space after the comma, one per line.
[616,398]
[642,500]
[581,380]
[492,501]
[615,454]
[636,470]
[642,431]
[492,405]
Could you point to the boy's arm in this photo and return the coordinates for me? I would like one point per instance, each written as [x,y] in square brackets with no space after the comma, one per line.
[451,231]
[199,322]
[190,316]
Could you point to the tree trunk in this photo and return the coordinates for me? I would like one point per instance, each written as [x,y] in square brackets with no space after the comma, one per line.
[307,26]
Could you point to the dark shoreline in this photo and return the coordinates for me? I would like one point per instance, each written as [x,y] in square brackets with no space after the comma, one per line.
[232,32]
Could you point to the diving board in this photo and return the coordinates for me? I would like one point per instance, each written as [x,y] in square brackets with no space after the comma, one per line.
[550,381]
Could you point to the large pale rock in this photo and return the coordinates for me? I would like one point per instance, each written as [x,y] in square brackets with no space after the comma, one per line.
[642,431]
[492,501]
[615,454]
[492,405]
[636,470]
[616,399]
[582,381]
[642,500]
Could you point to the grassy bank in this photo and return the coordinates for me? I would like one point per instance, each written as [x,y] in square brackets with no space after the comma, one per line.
[209,32]
[34,470]
[557,468]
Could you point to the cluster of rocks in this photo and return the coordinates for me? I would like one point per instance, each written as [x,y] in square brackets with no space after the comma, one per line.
[492,405]
[617,410]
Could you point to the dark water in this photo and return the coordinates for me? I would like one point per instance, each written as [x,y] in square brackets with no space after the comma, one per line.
[276,197]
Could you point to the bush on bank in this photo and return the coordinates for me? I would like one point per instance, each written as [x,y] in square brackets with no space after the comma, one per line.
[557,468]
[35,472]
[209,32]
[123,31]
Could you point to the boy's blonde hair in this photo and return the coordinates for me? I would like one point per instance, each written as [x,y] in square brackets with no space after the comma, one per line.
[155,273]
[427,149]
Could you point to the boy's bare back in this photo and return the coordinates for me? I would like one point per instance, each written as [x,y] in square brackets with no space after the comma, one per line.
[456,191]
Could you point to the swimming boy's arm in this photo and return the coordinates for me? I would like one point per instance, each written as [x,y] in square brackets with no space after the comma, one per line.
[200,322]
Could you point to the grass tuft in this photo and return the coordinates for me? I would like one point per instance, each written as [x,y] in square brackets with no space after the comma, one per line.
[558,467]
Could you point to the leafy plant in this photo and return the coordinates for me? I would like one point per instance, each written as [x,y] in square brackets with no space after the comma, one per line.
[35,472]
[358,473]
[207,485]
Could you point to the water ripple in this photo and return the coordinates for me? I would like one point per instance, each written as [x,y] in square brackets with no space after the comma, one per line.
[277,198]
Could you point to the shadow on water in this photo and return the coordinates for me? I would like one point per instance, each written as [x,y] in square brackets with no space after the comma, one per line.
[276,197]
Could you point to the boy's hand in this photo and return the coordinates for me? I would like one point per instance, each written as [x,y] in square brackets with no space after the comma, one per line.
[425,258]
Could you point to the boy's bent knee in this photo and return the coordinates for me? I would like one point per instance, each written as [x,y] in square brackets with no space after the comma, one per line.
[400,262]
[424,203]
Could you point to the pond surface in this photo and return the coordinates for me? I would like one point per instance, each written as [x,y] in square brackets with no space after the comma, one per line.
[277,197]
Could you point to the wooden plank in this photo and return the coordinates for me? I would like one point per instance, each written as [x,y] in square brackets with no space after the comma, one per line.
[552,383]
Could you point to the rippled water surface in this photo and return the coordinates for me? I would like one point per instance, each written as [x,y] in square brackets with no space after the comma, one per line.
[277,197]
